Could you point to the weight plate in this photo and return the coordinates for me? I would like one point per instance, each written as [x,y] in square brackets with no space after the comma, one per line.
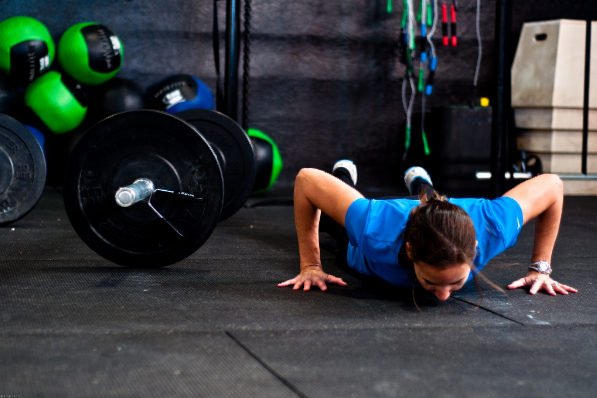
[152,145]
[234,150]
[22,170]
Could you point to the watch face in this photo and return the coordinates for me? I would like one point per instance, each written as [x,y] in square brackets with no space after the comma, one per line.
[543,267]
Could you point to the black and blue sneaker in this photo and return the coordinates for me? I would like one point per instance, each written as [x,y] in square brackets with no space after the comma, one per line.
[414,173]
[350,167]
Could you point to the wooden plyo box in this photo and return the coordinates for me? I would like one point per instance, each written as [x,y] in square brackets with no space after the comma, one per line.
[548,77]
[555,141]
[560,152]
[580,187]
[549,65]
[566,163]
[553,118]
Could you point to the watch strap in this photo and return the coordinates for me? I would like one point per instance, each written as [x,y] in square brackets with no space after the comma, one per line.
[542,267]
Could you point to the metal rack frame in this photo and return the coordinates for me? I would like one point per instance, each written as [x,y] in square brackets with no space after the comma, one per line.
[232,58]
[500,134]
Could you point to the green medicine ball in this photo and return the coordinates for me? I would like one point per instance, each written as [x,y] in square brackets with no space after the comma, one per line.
[58,101]
[91,53]
[26,49]
[268,161]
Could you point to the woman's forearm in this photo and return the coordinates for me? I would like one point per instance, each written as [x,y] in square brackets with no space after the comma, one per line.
[316,191]
[306,218]
[541,198]
[547,225]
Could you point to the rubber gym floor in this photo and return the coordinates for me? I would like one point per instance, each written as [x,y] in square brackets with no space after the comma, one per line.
[216,324]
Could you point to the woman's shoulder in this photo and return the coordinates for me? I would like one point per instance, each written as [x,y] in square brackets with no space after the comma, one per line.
[378,216]
[386,204]
[400,207]
[499,217]
[484,204]
[396,203]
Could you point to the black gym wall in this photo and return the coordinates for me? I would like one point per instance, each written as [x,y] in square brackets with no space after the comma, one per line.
[325,75]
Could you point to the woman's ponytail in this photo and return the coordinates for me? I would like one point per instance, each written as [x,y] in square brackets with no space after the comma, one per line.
[440,233]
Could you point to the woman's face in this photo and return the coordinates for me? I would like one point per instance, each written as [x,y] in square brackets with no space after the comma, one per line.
[442,282]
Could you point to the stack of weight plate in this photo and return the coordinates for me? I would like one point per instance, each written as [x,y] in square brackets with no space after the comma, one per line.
[547,96]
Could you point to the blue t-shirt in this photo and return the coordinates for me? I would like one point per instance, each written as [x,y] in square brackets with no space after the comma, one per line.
[376,227]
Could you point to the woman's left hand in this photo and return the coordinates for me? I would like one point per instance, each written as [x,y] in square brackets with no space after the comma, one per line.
[537,281]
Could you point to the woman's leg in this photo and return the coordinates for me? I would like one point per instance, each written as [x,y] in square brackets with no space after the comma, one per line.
[421,185]
[331,227]
[419,182]
[326,223]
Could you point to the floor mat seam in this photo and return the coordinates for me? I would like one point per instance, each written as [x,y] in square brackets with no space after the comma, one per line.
[490,311]
[277,375]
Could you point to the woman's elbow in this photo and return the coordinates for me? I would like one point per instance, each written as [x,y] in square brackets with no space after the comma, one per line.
[555,184]
[303,179]
[304,175]
[551,188]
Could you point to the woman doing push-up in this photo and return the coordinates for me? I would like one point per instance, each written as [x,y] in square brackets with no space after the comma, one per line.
[436,242]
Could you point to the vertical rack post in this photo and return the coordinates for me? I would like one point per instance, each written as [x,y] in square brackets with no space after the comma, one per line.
[585,111]
[232,58]
[501,105]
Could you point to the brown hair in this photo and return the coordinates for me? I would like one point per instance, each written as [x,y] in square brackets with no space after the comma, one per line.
[441,234]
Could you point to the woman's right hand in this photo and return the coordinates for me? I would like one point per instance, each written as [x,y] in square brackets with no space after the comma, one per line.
[312,276]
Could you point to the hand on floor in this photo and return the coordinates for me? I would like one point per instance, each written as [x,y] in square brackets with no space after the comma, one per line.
[537,281]
[312,277]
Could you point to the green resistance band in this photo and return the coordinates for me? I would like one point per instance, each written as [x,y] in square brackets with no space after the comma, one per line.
[419,11]
[404,15]
[423,135]
[425,144]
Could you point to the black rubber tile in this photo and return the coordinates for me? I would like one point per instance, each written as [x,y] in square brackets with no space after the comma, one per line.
[519,305]
[255,233]
[56,283]
[73,297]
[515,361]
[50,280]
[573,261]
[46,233]
[133,365]
[581,210]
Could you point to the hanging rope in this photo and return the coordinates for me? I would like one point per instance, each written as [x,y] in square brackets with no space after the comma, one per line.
[479,54]
[431,16]
[409,22]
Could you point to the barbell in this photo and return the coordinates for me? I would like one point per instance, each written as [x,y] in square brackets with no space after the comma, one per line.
[146,189]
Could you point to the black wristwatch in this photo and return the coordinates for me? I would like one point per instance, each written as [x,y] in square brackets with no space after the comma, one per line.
[541,267]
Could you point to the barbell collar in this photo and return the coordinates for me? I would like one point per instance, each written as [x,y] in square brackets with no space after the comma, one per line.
[138,191]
